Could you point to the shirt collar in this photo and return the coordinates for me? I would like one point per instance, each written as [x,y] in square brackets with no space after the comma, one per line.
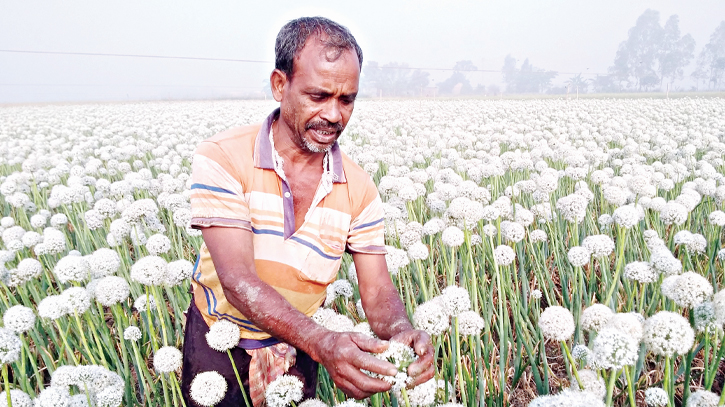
[263,150]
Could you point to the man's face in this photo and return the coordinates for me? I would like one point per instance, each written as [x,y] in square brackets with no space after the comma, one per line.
[317,102]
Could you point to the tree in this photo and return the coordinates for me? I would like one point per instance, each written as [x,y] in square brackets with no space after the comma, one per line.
[509,72]
[636,57]
[604,84]
[577,84]
[652,53]
[676,52]
[527,79]
[711,61]
[393,79]
[418,80]
[372,77]
[458,83]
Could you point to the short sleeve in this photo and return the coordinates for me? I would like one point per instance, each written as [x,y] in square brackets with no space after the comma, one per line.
[367,229]
[217,195]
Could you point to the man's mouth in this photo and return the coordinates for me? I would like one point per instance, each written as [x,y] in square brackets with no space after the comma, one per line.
[325,135]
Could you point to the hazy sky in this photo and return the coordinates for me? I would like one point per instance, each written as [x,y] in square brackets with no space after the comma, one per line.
[566,36]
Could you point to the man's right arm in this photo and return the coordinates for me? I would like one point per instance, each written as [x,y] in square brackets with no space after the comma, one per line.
[343,354]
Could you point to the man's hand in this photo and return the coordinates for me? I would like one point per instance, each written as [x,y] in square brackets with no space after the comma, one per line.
[344,354]
[422,369]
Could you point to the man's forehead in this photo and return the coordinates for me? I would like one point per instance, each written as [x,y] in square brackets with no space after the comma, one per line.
[319,47]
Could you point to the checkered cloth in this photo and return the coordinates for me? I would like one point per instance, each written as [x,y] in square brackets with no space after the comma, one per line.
[266,365]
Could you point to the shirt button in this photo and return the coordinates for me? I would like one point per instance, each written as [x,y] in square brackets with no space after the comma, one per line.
[286,194]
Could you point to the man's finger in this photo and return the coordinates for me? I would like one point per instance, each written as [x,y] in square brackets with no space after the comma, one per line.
[422,344]
[368,362]
[362,382]
[422,364]
[368,344]
[350,389]
[424,377]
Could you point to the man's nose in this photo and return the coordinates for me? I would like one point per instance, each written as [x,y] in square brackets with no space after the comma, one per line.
[331,111]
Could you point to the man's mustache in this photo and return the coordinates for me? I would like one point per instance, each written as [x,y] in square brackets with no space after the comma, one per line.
[325,126]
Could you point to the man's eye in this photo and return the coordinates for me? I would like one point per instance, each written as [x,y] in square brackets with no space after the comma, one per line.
[317,98]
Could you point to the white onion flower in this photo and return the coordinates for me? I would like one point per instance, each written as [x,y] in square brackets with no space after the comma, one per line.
[26,270]
[71,268]
[223,335]
[52,307]
[208,388]
[512,231]
[284,390]
[613,349]
[705,317]
[469,323]
[333,321]
[177,272]
[400,355]
[132,333]
[140,303]
[422,394]
[167,359]
[338,288]
[364,328]
[316,402]
[667,334]
[599,245]
[455,300]
[674,213]
[149,270]
[53,241]
[419,251]
[537,236]
[703,398]
[504,255]
[595,317]
[688,290]
[641,271]
[592,383]
[103,262]
[631,323]
[111,290]
[53,397]
[572,207]
[556,323]
[578,256]
[10,346]
[77,300]
[18,398]
[664,262]
[431,317]
[580,352]
[656,397]
[396,259]
[433,226]
[19,319]
[158,244]
[626,216]
[452,236]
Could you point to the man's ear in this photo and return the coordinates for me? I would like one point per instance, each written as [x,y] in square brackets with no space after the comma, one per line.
[278,81]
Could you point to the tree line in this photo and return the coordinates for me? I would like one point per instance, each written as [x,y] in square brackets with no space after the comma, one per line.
[653,57]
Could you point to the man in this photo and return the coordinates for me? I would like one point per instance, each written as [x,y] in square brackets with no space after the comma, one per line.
[278,204]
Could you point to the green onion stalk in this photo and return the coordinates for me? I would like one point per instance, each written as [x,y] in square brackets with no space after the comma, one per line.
[239,379]
[610,386]
[6,383]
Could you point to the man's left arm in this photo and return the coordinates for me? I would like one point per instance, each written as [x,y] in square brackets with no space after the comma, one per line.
[387,316]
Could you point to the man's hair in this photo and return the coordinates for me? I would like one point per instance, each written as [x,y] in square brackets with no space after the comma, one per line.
[293,36]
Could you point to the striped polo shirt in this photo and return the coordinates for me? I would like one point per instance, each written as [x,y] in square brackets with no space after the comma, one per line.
[234,184]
